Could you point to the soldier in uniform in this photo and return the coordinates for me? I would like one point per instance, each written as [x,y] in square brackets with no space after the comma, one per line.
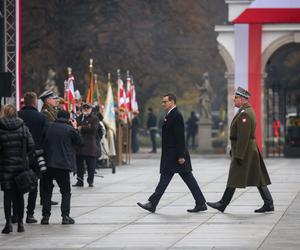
[49,108]
[247,167]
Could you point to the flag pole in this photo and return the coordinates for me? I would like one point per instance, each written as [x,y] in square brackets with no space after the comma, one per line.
[128,122]
[119,125]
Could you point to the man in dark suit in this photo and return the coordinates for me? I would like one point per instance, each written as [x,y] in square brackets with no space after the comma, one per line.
[174,158]
[36,123]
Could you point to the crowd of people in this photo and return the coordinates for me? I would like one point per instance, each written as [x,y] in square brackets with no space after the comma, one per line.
[65,142]
[57,143]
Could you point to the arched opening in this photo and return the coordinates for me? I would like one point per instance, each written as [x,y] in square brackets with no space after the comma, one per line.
[282,102]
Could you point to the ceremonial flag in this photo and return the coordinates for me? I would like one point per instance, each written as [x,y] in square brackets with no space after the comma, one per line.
[109,110]
[109,119]
[121,101]
[70,94]
[248,45]
[134,103]
[90,94]
[128,98]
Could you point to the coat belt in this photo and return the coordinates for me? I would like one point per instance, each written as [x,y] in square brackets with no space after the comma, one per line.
[234,138]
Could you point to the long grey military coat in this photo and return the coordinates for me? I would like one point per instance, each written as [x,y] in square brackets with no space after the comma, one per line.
[252,171]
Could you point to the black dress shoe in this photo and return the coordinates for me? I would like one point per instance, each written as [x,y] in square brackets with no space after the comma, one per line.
[30,219]
[66,220]
[78,184]
[197,208]
[148,206]
[91,184]
[265,208]
[45,220]
[21,228]
[7,228]
[217,205]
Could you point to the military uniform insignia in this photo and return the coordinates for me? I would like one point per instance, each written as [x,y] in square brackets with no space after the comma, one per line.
[243,110]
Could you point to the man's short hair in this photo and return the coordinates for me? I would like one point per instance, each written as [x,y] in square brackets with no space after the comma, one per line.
[171,97]
[30,99]
[63,114]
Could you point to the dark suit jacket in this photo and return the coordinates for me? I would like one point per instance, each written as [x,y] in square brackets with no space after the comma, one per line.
[35,121]
[173,145]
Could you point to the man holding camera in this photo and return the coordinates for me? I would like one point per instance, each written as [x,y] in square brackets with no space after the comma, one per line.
[36,123]
[59,140]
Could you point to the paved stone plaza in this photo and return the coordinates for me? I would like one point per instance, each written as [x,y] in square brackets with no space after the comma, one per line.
[107,216]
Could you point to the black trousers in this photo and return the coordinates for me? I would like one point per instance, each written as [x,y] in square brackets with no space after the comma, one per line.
[31,202]
[153,139]
[189,180]
[90,163]
[13,197]
[62,177]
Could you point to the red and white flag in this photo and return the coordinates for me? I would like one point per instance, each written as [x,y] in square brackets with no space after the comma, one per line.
[70,94]
[128,98]
[134,103]
[248,44]
[121,101]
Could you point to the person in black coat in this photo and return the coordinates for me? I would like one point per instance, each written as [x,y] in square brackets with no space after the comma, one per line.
[191,129]
[12,133]
[152,128]
[60,141]
[88,126]
[175,158]
[36,122]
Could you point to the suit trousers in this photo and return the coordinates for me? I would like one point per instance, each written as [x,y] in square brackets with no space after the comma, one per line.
[189,180]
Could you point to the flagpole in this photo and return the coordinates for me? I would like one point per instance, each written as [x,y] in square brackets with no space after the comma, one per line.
[119,126]
[128,122]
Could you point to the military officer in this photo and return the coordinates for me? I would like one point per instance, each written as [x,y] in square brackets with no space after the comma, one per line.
[49,109]
[247,167]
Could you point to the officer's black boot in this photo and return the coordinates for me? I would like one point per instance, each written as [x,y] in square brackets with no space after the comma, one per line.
[223,203]
[267,198]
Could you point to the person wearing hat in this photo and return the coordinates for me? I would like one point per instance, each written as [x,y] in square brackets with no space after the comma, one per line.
[247,167]
[88,125]
[49,108]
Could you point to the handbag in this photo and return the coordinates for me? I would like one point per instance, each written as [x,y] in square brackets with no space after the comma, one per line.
[26,181]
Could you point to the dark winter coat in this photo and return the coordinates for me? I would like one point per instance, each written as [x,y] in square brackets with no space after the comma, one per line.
[35,121]
[192,125]
[89,129]
[60,141]
[151,121]
[12,132]
[173,145]
[252,170]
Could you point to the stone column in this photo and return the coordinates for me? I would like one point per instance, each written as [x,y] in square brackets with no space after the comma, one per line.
[230,105]
[204,136]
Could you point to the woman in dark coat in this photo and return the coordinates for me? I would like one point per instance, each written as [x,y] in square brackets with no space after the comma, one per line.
[12,132]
